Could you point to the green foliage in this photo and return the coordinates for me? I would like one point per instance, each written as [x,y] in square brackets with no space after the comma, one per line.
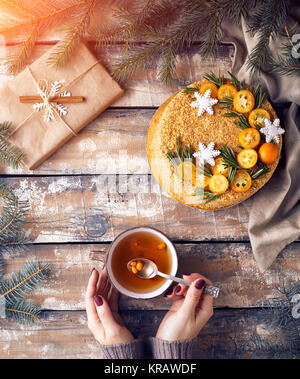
[267,23]
[239,85]
[180,154]
[167,29]
[9,154]
[23,312]
[12,239]
[285,63]
[212,77]
[283,322]
[259,96]
[17,285]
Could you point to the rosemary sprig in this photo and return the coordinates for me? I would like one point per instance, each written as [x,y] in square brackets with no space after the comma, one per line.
[190,90]
[242,121]
[227,102]
[217,80]
[239,85]
[229,157]
[231,174]
[187,153]
[204,170]
[180,154]
[262,171]
[207,195]
[259,96]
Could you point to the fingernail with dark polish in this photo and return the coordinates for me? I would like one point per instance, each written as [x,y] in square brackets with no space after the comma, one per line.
[177,289]
[168,292]
[199,284]
[98,300]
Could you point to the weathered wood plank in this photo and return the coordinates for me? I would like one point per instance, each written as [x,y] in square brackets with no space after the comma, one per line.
[228,334]
[99,207]
[143,89]
[231,266]
[105,146]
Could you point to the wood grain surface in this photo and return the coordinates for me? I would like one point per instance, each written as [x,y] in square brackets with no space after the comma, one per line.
[99,207]
[98,185]
[230,266]
[230,334]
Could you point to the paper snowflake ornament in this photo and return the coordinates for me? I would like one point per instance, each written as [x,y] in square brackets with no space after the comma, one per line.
[272,131]
[46,105]
[207,153]
[204,103]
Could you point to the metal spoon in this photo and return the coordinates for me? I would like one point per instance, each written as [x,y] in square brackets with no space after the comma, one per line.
[150,270]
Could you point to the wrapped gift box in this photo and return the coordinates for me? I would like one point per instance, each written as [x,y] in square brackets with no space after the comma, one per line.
[34,132]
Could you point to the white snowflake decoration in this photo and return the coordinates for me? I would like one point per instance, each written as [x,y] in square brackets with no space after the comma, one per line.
[207,154]
[204,103]
[47,106]
[272,131]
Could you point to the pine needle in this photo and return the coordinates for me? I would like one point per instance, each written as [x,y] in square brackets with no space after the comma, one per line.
[18,285]
[10,155]
[65,48]
[23,312]
[16,63]
[267,23]
[12,217]
[229,157]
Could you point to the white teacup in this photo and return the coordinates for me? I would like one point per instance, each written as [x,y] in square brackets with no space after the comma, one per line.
[165,284]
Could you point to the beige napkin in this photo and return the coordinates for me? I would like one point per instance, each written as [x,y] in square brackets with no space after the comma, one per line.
[274,219]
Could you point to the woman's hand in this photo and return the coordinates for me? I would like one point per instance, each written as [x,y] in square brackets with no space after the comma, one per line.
[190,311]
[102,311]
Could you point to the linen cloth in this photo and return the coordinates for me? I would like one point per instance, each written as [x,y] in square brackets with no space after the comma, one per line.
[274,219]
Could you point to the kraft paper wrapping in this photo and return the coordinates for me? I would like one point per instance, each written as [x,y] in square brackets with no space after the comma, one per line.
[37,138]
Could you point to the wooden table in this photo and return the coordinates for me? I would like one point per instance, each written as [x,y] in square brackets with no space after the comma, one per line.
[75,209]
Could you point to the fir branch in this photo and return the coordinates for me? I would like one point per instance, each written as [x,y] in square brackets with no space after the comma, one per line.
[286,63]
[9,154]
[5,130]
[179,36]
[18,285]
[17,62]
[18,6]
[65,48]
[132,23]
[267,23]
[166,66]
[23,312]
[212,36]
[12,217]
[231,9]
[1,269]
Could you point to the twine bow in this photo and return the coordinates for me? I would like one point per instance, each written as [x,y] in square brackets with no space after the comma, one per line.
[50,99]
